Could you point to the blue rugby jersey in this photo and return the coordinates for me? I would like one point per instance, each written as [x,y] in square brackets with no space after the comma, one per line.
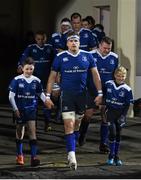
[26,90]
[106,66]
[43,57]
[57,42]
[73,69]
[118,97]
[99,34]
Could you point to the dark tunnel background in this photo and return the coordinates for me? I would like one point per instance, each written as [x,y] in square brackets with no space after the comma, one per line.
[17,19]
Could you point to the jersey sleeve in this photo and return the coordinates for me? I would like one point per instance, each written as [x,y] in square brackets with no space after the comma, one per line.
[13,86]
[92,41]
[129,98]
[24,55]
[92,61]
[56,64]
[117,63]
[39,89]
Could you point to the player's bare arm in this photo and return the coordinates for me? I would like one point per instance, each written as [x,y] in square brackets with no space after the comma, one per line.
[97,82]
[50,83]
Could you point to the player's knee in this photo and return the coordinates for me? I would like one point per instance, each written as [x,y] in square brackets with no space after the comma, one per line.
[69,126]
[69,120]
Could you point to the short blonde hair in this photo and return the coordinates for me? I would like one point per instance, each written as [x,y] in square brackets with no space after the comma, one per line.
[121,69]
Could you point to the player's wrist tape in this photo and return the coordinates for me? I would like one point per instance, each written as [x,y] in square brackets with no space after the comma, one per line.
[100,93]
[48,95]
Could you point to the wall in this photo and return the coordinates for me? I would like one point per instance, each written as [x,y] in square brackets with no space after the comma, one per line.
[10,31]
[138,67]
[126,40]
[138,53]
[17,17]
[86,8]
[41,14]
[83,7]
[127,37]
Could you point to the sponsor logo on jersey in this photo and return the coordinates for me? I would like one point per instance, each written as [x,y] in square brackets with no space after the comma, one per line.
[65,108]
[65,59]
[112,61]
[109,90]
[27,93]
[121,94]
[76,67]
[57,40]
[84,58]
[86,35]
[35,50]
[21,85]
[102,70]
[33,86]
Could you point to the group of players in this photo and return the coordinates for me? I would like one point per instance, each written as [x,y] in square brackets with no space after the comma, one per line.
[79,67]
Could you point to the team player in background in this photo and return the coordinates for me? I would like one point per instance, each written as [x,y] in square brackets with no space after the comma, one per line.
[23,92]
[43,55]
[85,23]
[87,39]
[106,62]
[59,45]
[98,31]
[56,38]
[73,65]
[118,97]
[91,22]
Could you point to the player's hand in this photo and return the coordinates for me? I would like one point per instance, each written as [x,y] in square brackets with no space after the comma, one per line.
[17,113]
[98,100]
[49,104]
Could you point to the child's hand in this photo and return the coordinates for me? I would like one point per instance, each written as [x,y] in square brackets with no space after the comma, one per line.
[17,113]
[122,121]
[49,104]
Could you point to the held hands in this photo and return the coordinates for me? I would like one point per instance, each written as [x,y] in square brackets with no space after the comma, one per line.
[49,104]
[98,100]
[17,113]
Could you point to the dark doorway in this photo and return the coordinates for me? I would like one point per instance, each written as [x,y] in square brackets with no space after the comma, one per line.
[17,19]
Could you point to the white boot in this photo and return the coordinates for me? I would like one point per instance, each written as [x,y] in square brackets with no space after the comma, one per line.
[72,160]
